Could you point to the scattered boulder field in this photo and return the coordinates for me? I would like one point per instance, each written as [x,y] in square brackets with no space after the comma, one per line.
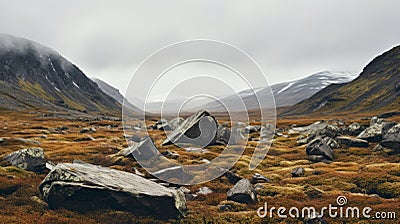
[84,186]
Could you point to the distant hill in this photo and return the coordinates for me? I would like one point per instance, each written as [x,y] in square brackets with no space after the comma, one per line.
[114,93]
[33,76]
[376,88]
[287,93]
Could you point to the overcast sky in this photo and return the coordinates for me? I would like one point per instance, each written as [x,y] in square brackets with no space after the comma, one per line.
[288,39]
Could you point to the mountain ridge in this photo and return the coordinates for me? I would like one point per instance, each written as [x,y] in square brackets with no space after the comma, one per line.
[287,93]
[376,88]
[39,77]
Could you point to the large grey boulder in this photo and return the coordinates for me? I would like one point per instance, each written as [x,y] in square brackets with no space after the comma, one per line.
[352,142]
[391,138]
[199,129]
[31,159]
[84,187]
[374,132]
[318,150]
[243,192]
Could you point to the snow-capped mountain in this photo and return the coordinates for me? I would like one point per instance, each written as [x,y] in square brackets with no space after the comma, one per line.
[287,93]
[376,89]
[290,93]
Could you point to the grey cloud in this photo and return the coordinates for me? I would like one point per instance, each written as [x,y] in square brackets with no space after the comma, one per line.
[288,39]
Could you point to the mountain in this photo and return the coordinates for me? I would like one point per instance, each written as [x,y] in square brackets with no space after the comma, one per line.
[114,93]
[376,88]
[287,93]
[33,76]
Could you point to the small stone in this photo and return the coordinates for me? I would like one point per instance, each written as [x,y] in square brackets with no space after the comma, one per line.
[258,178]
[204,191]
[298,172]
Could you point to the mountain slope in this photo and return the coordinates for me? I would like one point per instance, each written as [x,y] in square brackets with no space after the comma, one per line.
[37,77]
[377,88]
[114,93]
[287,93]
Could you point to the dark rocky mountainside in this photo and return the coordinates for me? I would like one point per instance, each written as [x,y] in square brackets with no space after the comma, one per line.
[33,76]
[114,93]
[376,89]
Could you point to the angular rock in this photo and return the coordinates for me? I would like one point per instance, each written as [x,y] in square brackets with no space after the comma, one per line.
[331,142]
[376,120]
[319,128]
[318,147]
[352,142]
[298,172]
[84,138]
[232,177]
[243,192]
[204,191]
[143,150]
[198,129]
[170,155]
[88,130]
[31,159]
[374,133]
[251,129]
[83,187]
[391,138]
[161,125]
[258,178]
[355,129]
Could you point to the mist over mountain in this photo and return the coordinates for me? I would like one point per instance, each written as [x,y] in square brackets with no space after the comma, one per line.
[285,94]
[33,76]
[377,88]
[116,94]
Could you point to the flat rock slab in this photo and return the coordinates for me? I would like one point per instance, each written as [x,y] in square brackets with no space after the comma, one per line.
[83,187]
[352,142]
[31,159]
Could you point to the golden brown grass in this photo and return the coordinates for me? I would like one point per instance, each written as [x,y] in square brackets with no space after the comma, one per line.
[357,173]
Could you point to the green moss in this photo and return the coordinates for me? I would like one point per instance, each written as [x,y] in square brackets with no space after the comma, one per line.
[71,103]
[35,89]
